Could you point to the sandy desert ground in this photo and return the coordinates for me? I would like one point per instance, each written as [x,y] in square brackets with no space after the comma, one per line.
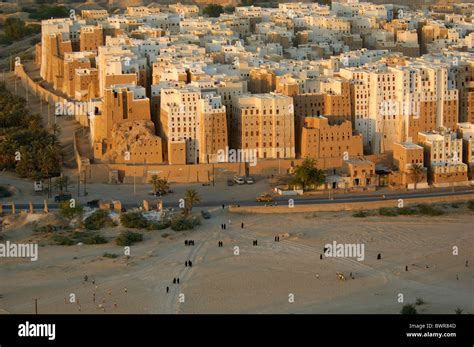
[261,278]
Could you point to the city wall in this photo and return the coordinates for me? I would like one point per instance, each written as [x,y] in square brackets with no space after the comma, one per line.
[46,95]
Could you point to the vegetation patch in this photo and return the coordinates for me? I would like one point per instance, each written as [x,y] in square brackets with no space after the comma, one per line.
[47,12]
[161,225]
[98,220]
[26,147]
[110,255]
[181,222]
[470,205]
[408,309]
[407,211]
[45,229]
[70,211]
[360,214]
[390,212]
[69,239]
[128,238]
[134,220]
[429,210]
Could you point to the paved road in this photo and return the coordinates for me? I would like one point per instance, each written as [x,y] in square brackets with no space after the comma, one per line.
[469,191]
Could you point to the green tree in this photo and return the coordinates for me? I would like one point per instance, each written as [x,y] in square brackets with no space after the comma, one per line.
[416,173]
[50,161]
[69,211]
[306,174]
[191,196]
[213,10]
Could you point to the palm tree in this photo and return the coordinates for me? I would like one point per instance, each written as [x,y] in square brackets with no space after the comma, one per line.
[190,198]
[417,171]
[159,184]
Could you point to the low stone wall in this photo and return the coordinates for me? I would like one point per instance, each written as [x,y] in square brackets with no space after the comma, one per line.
[348,206]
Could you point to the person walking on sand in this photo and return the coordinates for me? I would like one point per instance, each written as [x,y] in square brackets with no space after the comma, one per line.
[167,289]
[242,225]
[174,280]
[190,263]
[177,280]
[406,267]
[185,264]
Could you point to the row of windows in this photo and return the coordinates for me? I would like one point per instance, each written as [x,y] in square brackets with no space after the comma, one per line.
[330,148]
[184,129]
[264,144]
[247,112]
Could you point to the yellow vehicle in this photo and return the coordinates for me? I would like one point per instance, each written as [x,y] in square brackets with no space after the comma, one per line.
[265,198]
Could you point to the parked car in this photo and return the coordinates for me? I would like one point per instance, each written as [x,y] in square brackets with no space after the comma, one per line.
[205,214]
[230,182]
[264,198]
[93,204]
[249,180]
[239,180]
[62,197]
